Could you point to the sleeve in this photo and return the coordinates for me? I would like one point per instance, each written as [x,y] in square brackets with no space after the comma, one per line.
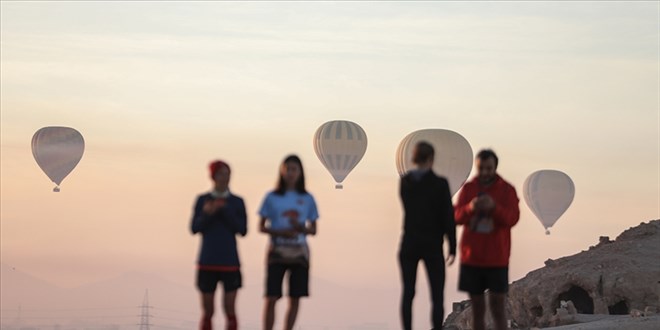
[462,213]
[507,211]
[313,213]
[266,209]
[200,220]
[235,217]
[403,191]
[448,217]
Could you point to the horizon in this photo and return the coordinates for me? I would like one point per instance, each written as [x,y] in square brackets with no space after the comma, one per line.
[159,313]
[159,89]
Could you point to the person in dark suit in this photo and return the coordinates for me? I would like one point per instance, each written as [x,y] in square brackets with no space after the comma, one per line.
[428,217]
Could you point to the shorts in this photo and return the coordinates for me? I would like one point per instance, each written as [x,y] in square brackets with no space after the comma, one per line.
[476,280]
[298,280]
[207,280]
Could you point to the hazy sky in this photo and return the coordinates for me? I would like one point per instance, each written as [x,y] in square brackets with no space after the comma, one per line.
[158,89]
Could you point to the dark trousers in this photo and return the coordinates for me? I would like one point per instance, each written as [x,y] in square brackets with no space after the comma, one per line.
[410,254]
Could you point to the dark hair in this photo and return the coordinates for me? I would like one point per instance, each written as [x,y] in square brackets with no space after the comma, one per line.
[488,153]
[300,185]
[423,152]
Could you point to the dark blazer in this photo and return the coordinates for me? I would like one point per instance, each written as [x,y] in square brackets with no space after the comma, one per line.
[429,213]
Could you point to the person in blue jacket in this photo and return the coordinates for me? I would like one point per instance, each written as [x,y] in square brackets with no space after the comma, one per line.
[219,216]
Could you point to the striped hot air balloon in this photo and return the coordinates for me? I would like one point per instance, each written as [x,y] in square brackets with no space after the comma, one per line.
[340,145]
[453,155]
[57,151]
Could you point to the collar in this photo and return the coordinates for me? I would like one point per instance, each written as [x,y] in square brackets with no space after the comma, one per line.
[417,173]
[495,182]
[216,194]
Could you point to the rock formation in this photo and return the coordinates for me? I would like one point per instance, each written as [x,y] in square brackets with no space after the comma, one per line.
[614,277]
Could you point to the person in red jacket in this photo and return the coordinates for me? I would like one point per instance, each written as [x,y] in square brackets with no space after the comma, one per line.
[487,208]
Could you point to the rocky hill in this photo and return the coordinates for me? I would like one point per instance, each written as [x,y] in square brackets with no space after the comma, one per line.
[620,277]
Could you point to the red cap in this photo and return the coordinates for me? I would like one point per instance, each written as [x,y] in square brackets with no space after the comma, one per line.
[216,165]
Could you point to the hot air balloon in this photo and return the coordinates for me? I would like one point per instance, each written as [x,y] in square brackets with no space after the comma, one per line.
[548,193]
[453,155]
[57,151]
[340,145]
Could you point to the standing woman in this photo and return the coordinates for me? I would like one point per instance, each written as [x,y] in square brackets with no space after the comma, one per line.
[288,215]
[219,216]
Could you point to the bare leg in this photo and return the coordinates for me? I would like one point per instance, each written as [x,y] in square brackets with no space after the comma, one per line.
[229,304]
[269,313]
[478,311]
[497,309]
[292,313]
[208,309]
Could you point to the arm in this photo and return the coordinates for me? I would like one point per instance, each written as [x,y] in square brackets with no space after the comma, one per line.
[506,212]
[235,217]
[463,211]
[448,217]
[200,219]
[288,233]
[310,229]
[310,226]
[403,191]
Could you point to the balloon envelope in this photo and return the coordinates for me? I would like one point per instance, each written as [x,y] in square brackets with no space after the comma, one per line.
[548,194]
[453,155]
[57,151]
[340,145]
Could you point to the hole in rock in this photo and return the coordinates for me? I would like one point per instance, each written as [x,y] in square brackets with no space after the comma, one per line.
[580,298]
[620,308]
[537,311]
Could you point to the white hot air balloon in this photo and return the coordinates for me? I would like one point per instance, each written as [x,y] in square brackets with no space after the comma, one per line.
[57,151]
[548,193]
[340,145]
[453,155]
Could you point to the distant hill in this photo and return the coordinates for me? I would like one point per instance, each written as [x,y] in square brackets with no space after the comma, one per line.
[115,304]
[31,301]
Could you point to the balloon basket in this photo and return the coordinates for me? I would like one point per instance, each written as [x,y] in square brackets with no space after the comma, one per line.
[547,231]
[56,189]
[339,186]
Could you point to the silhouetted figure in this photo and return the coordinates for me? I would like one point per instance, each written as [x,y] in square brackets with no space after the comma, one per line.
[429,216]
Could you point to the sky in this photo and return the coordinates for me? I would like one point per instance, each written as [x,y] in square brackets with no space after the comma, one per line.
[159,89]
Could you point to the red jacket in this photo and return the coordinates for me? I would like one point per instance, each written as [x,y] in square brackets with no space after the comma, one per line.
[491,248]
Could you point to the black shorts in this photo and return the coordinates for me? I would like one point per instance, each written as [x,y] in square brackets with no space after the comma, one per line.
[298,280]
[476,280]
[207,280]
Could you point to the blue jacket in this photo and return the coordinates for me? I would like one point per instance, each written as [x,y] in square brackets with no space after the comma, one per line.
[219,231]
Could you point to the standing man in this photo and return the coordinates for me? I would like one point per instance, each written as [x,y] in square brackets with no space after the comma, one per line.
[219,216]
[429,216]
[487,208]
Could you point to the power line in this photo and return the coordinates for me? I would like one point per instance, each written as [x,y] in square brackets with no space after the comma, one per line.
[63,309]
[144,312]
[150,317]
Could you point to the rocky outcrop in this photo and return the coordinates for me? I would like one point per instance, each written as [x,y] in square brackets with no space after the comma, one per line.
[613,277]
